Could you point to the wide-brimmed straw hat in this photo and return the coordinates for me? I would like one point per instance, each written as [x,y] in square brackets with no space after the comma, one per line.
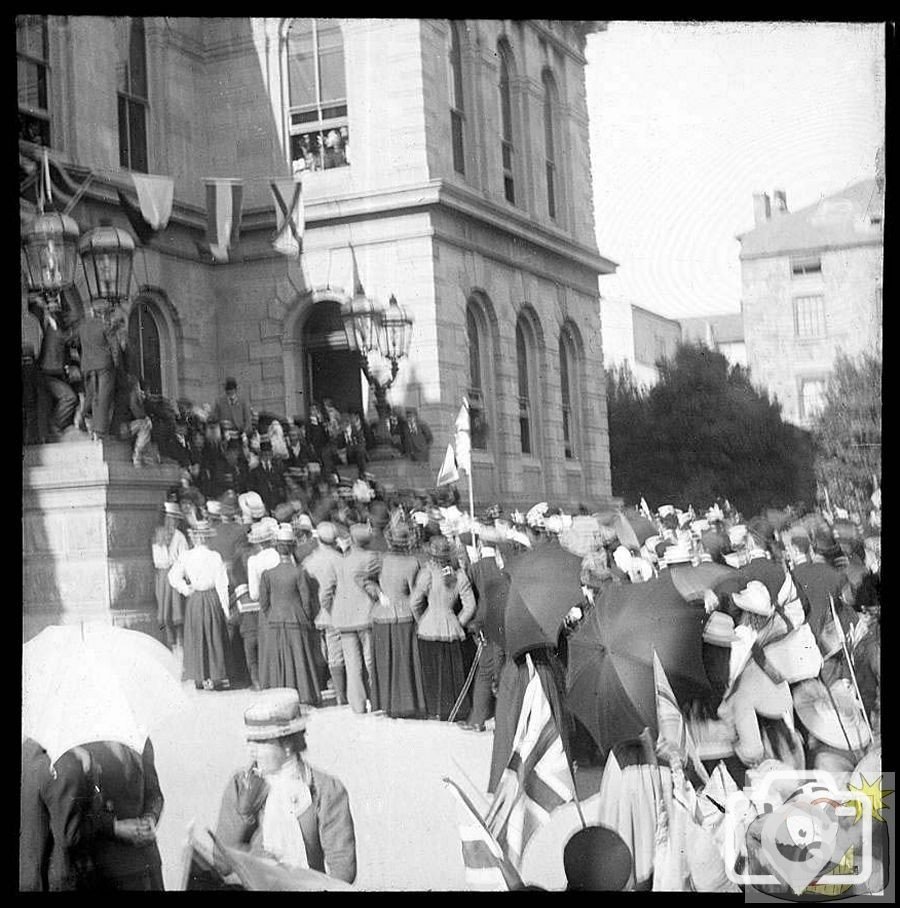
[754,598]
[261,532]
[274,715]
[719,629]
[679,553]
[173,509]
[284,533]
[201,530]
[213,508]
[252,505]
[440,550]
[302,523]
[832,723]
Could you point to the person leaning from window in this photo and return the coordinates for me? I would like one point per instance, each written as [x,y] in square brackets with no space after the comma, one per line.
[233,408]
[104,802]
[280,805]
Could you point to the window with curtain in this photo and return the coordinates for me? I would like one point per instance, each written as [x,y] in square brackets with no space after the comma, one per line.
[455,81]
[144,348]
[506,124]
[524,389]
[317,88]
[476,337]
[566,365]
[32,71]
[549,145]
[132,90]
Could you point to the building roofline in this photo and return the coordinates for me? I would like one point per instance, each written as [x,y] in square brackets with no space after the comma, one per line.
[806,250]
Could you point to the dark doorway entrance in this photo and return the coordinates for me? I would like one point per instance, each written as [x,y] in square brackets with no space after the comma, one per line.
[144,353]
[332,368]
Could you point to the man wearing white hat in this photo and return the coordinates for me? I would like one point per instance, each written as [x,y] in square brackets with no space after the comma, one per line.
[281,806]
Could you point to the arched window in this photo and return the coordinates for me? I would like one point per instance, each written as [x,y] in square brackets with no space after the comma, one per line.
[144,348]
[455,82]
[525,403]
[132,89]
[317,86]
[568,366]
[549,144]
[506,121]
[477,337]
[33,58]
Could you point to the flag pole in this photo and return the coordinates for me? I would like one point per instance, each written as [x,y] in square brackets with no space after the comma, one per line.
[840,630]
[471,503]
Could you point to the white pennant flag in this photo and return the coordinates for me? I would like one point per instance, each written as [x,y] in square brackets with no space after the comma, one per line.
[155,194]
[463,439]
[448,471]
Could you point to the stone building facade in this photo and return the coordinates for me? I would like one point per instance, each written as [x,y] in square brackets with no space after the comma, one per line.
[638,337]
[811,286]
[449,159]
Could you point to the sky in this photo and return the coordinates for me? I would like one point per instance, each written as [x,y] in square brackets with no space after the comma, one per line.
[687,121]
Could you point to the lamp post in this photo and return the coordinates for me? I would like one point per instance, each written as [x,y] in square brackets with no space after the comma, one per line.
[388,333]
[106,256]
[49,254]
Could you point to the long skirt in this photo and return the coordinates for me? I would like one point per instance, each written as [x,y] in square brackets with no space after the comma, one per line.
[291,659]
[398,689]
[169,602]
[443,677]
[205,638]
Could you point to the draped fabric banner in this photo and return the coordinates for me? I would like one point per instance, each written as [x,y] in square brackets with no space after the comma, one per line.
[289,216]
[224,198]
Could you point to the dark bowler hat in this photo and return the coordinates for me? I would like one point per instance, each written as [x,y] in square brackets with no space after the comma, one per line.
[596,859]
[230,384]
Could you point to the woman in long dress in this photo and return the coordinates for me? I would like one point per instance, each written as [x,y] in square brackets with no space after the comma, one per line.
[285,601]
[441,633]
[168,545]
[398,690]
[200,576]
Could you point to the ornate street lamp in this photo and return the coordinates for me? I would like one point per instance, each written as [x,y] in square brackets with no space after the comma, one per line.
[49,254]
[106,256]
[388,333]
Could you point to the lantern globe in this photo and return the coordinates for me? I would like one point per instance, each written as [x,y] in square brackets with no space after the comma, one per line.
[396,331]
[361,323]
[49,252]
[107,254]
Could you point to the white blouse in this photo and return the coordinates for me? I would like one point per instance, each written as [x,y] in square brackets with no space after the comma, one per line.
[200,569]
[166,556]
[256,564]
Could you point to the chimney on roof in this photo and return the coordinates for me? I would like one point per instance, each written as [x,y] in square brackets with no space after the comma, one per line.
[779,201]
[762,211]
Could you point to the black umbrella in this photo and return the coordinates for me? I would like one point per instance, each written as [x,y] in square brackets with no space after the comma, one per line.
[545,585]
[610,676]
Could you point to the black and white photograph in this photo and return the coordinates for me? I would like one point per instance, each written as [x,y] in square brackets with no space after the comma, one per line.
[451,455]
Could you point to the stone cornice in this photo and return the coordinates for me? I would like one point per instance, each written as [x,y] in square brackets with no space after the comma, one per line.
[809,250]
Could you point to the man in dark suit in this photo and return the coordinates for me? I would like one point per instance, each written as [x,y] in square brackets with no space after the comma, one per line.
[415,436]
[52,363]
[760,565]
[300,448]
[266,478]
[99,351]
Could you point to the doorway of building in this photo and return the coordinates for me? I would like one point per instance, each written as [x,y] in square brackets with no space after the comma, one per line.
[332,368]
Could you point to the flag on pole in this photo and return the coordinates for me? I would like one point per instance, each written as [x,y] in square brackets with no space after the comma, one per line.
[289,216]
[645,508]
[224,198]
[487,868]
[448,472]
[463,438]
[537,779]
[670,722]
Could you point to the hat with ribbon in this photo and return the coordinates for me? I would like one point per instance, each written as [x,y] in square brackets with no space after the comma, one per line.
[275,715]
[754,598]
[535,515]
[301,523]
[213,508]
[201,530]
[284,533]
[399,537]
[440,550]
[263,531]
[678,553]
[835,720]
[327,532]
[719,630]
[172,509]
[251,505]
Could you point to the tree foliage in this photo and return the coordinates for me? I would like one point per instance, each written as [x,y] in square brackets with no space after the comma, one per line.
[848,432]
[704,432]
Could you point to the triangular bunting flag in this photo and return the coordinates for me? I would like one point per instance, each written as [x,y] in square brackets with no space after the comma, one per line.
[224,199]
[358,289]
[155,196]
[144,231]
[448,471]
[289,216]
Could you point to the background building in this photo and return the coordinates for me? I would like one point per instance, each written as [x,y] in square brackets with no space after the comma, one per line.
[452,156]
[811,285]
[724,333]
[638,337]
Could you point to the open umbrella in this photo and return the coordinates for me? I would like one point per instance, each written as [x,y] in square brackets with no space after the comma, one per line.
[545,585]
[642,528]
[692,580]
[610,674]
[94,682]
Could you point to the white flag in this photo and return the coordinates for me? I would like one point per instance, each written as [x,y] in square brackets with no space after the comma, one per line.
[155,194]
[463,439]
[448,471]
